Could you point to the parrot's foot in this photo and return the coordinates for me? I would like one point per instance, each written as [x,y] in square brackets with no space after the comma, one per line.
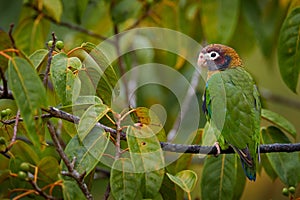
[218,148]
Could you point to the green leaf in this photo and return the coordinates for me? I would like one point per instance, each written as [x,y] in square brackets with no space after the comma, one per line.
[48,169]
[87,152]
[286,165]
[124,9]
[147,157]
[289,49]
[25,152]
[29,93]
[185,179]
[279,121]
[54,8]
[71,190]
[88,120]
[170,190]
[5,43]
[99,77]
[265,162]
[221,176]
[66,82]
[219,19]
[36,30]
[38,57]
[123,183]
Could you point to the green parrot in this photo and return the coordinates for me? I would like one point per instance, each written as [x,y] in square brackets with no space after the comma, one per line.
[232,104]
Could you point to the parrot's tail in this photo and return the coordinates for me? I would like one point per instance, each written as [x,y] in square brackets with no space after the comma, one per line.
[250,171]
[247,163]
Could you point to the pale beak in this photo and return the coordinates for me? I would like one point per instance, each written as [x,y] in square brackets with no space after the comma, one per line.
[201,60]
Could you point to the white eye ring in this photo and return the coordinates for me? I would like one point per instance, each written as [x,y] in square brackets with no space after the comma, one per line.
[213,55]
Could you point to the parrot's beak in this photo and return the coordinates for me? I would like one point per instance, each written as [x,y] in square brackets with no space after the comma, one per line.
[201,60]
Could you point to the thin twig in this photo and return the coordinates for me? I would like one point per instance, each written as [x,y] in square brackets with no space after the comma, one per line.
[185,105]
[70,165]
[4,82]
[40,191]
[11,36]
[107,191]
[15,128]
[282,100]
[141,18]
[9,94]
[68,25]
[45,81]
[120,62]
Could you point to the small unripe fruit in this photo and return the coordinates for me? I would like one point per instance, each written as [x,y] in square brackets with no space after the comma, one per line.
[285,192]
[60,44]
[22,175]
[25,166]
[2,140]
[3,113]
[50,43]
[8,111]
[292,189]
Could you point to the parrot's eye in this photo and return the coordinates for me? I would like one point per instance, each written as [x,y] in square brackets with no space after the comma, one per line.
[213,55]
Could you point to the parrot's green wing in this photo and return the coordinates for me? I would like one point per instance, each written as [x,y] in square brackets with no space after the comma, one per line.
[232,104]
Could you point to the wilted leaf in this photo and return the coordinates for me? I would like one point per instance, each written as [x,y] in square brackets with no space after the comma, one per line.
[29,93]
[124,184]
[279,121]
[289,49]
[286,165]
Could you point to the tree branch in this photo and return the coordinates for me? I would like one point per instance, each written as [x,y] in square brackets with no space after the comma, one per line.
[70,165]
[166,146]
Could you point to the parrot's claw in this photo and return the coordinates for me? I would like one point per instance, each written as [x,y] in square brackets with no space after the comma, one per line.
[218,148]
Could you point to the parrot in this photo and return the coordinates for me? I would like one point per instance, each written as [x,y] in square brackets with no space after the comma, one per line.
[231,103]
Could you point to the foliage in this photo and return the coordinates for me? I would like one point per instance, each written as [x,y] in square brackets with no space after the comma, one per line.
[64,124]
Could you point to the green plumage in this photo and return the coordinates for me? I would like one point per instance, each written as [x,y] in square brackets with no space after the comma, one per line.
[232,105]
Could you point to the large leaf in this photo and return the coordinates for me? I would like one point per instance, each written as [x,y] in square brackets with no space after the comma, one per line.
[99,77]
[221,178]
[48,169]
[124,9]
[5,43]
[284,164]
[65,77]
[147,157]
[29,93]
[71,190]
[53,8]
[279,121]
[219,19]
[123,183]
[264,18]
[289,49]
[185,179]
[36,29]
[88,152]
